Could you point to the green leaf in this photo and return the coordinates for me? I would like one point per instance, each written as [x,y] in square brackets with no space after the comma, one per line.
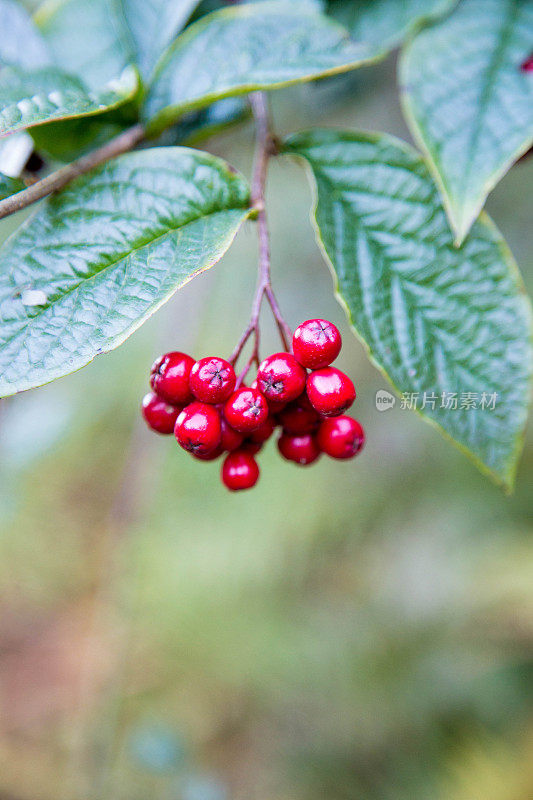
[95,40]
[240,49]
[87,38]
[200,125]
[72,138]
[435,318]
[100,257]
[153,25]
[9,186]
[20,42]
[468,103]
[33,98]
[384,24]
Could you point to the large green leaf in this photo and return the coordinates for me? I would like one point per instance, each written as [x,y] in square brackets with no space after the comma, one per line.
[88,38]
[100,257]
[467,101]
[384,24]
[20,41]
[9,186]
[153,25]
[436,318]
[45,95]
[237,50]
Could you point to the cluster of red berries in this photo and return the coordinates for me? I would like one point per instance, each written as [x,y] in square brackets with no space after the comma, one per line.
[198,402]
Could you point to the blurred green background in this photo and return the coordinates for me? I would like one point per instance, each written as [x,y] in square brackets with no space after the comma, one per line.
[354,631]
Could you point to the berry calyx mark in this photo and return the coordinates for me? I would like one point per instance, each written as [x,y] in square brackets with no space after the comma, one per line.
[322,329]
[212,380]
[270,385]
[246,409]
[316,343]
[281,377]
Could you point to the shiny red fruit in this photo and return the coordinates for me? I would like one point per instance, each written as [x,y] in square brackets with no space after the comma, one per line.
[264,432]
[341,437]
[212,456]
[330,391]
[231,439]
[316,343]
[252,447]
[246,410]
[159,415]
[281,378]
[297,420]
[169,378]
[527,64]
[302,450]
[240,471]
[212,380]
[198,428]
[274,406]
[303,401]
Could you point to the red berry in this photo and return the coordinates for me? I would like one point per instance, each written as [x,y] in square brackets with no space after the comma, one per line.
[160,416]
[252,447]
[212,456]
[341,437]
[274,406]
[316,343]
[297,420]
[264,432]
[330,391]
[527,64]
[212,380]
[169,378]
[302,450]
[198,428]
[246,410]
[281,378]
[231,439]
[303,401]
[240,471]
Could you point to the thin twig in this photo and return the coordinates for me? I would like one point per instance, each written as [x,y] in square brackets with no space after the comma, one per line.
[57,180]
[265,147]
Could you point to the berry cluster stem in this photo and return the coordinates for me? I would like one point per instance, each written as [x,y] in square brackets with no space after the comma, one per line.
[265,147]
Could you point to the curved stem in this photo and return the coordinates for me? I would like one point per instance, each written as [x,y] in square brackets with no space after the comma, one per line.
[265,147]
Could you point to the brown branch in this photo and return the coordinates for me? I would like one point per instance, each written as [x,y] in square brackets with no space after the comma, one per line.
[265,147]
[57,180]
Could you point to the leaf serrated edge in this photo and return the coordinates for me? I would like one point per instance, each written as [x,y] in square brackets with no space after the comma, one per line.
[505,480]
